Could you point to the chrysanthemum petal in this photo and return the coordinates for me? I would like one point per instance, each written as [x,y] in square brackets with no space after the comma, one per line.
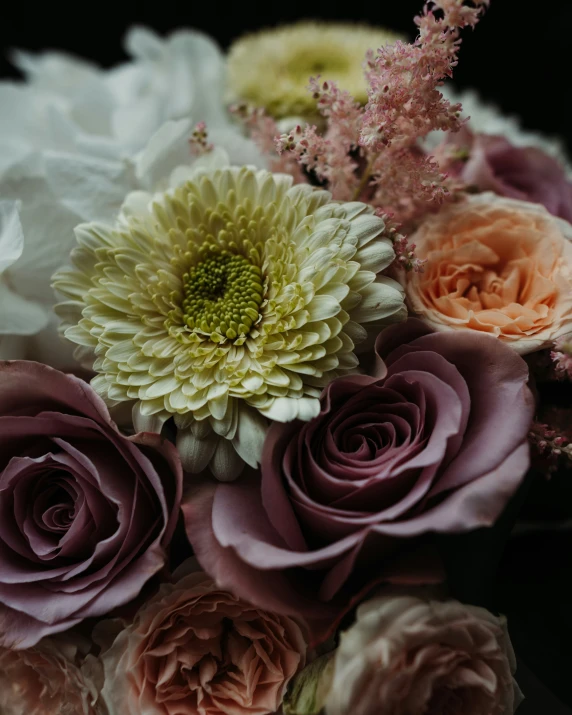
[195,453]
[226,464]
[227,301]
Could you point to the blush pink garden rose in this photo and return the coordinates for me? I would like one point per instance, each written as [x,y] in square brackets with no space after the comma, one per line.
[85,513]
[406,656]
[525,173]
[436,441]
[497,266]
[195,649]
[51,678]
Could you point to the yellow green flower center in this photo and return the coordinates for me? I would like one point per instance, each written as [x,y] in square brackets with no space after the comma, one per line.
[307,62]
[222,295]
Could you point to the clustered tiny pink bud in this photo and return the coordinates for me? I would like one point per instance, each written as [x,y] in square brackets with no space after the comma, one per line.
[562,357]
[405,257]
[264,133]
[199,140]
[550,444]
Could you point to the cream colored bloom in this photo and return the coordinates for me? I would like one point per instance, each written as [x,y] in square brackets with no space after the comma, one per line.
[411,655]
[272,68]
[228,300]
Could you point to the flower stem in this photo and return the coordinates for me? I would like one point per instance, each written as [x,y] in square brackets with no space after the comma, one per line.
[364,179]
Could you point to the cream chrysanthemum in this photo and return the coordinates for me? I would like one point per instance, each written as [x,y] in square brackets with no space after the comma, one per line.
[272,68]
[226,301]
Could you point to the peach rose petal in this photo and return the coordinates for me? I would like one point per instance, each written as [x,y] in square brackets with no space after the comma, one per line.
[495,265]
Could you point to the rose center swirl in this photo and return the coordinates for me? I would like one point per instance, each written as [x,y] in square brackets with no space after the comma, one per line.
[222,295]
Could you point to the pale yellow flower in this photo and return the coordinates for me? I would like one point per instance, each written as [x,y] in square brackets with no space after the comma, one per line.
[229,300]
[271,69]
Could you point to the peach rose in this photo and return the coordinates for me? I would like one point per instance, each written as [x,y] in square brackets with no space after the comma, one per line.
[406,655]
[197,650]
[47,679]
[497,265]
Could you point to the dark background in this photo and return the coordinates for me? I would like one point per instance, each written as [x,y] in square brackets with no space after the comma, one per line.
[519,57]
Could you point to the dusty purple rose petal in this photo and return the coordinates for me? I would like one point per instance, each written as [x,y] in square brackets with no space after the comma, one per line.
[435,442]
[525,173]
[85,513]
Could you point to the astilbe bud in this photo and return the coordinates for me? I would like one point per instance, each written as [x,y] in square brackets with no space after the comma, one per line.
[263,131]
[562,357]
[405,257]
[199,142]
[550,445]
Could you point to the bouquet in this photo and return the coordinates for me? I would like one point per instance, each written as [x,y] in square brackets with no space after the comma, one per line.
[281,334]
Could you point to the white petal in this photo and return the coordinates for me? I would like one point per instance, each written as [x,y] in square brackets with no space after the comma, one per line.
[226,465]
[92,188]
[136,121]
[19,117]
[137,203]
[195,453]
[353,208]
[355,331]
[379,300]
[286,409]
[55,71]
[252,428]
[375,256]
[142,43]
[323,307]
[11,234]
[240,150]
[148,423]
[365,228]
[166,150]
[215,159]
[49,238]
[308,408]
[12,151]
[195,67]
[92,107]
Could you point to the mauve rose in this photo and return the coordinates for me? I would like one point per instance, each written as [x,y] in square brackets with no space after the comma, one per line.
[406,655]
[525,173]
[85,513]
[195,649]
[51,678]
[435,442]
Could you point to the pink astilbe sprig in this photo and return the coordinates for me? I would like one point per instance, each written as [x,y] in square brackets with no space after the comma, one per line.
[408,183]
[199,142]
[550,444]
[331,155]
[405,104]
[562,357]
[405,257]
[264,132]
[372,153]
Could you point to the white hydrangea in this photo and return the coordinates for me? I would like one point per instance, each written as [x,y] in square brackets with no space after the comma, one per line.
[19,316]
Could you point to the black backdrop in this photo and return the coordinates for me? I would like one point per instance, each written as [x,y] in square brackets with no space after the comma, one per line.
[518,57]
